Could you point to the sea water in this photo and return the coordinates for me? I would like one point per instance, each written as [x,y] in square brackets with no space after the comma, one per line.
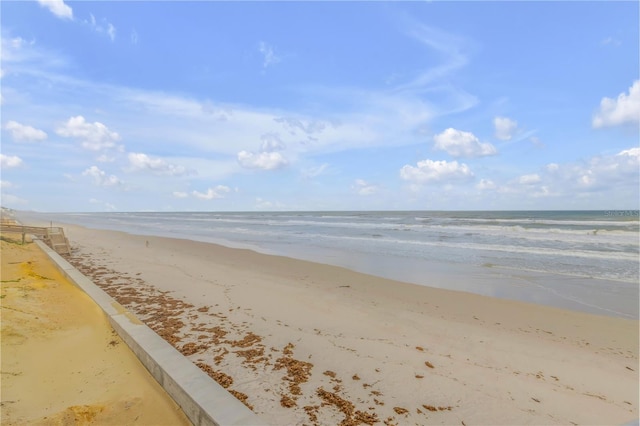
[585,260]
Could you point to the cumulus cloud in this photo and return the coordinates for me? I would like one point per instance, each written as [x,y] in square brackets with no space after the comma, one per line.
[362,187]
[462,144]
[22,132]
[262,160]
[101,178]
[212,193]
[505,128]
[58,8]
[436,171]
[94,136]
[10,161]
[604,174]
[140,161]
[625,109]
[268,55]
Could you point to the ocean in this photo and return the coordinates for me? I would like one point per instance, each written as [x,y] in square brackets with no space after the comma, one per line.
[583,260]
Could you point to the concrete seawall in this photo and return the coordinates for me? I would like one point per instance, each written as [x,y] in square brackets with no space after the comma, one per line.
[203,400]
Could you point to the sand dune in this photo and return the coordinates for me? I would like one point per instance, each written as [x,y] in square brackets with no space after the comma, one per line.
[62,363]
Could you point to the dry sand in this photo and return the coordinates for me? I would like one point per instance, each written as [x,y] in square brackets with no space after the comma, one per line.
[62,363]
[306,343]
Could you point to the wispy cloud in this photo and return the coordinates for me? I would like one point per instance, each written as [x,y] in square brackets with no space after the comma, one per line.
[452,50]
[268,55]
[610,41]
[362,187]
[101,26]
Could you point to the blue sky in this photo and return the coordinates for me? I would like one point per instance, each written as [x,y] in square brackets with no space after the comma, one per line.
[134,106]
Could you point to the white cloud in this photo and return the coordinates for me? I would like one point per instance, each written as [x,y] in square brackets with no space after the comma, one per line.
[5,184]
[212,193]
[102,27]
[268,55]
[104,158]
[271,142]
[462,144]
[10,161]
[436,171]
[262,160]
[94,136]
[308,127]
[101,178]
[312,172]
[486,184]
[362,187]
[607,174]
[529,179]
[505,128]
[22,132]
[610,41]
[111,31]
[179,194]
[451,48]
[624,109]
[58,8]
[140,161]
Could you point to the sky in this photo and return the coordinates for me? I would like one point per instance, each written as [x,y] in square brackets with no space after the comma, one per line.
[243,106]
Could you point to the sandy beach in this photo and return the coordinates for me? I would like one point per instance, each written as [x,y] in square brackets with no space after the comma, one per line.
[307,343]
[62,363]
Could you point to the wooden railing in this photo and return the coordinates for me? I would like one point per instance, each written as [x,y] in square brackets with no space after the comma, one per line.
[53,236]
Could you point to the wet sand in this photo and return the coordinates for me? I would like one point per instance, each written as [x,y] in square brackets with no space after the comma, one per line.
[307,343]
[62,363]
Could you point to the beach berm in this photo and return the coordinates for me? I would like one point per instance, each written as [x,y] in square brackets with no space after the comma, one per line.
[62,363]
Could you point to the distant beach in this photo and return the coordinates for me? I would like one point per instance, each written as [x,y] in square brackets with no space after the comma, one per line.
[310,343]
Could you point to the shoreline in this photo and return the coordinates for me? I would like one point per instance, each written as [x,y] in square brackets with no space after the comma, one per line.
[600,296]
[314,343]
